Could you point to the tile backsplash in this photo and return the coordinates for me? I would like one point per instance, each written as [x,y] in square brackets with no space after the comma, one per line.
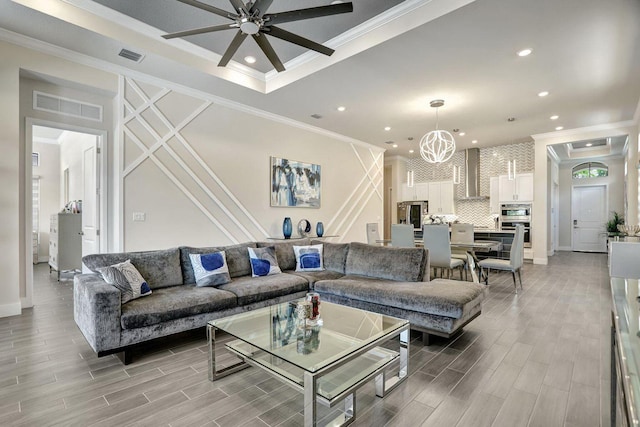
[493,162]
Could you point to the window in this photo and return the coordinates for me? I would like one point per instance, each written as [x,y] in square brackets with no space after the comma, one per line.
[590,170]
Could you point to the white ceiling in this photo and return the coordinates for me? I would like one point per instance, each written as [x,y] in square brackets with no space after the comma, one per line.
[585,53]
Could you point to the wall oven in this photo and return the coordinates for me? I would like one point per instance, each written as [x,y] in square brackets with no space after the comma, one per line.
[413,213]
[514,214]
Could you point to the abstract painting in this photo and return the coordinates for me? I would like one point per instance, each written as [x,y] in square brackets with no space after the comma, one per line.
[294,184]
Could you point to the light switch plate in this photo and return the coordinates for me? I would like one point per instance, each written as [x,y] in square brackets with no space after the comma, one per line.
[139,216]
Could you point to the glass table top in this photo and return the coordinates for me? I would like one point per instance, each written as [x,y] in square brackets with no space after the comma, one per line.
[341,331]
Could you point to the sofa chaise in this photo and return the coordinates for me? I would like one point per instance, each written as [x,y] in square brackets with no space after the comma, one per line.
[393,281]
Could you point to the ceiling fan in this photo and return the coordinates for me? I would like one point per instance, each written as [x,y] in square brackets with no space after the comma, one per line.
[251,19]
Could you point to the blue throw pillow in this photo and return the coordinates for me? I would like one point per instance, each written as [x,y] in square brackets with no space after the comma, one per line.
[263,261]
[210,269]
[309,258]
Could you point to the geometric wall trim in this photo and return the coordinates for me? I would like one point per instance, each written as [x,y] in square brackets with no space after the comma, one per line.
[134,113]
[171,136]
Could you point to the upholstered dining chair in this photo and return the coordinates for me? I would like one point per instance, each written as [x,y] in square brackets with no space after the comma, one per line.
[436,240]
[373,235]
[402,236]
[513,264]
[461,233]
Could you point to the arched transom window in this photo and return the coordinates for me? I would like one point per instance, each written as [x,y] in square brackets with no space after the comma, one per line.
[590,170]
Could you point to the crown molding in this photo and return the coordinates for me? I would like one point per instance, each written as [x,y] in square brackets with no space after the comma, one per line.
[72,56]
[620,128]
[147,39]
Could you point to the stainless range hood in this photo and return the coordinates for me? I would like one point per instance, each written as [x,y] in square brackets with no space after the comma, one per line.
[472,174]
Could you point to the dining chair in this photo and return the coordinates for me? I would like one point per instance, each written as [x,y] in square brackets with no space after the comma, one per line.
[437,241]
[402,236]
[513,264]
[461,233]
[373,235]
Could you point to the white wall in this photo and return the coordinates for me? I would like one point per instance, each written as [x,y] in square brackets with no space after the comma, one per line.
[615,182]
[209,184]
[49,173]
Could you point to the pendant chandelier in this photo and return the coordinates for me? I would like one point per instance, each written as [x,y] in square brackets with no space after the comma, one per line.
[437,146]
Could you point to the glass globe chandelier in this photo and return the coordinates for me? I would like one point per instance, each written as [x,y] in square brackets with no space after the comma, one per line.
[437,146]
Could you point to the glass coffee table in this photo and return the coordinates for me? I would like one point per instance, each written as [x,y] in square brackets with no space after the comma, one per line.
[327,361]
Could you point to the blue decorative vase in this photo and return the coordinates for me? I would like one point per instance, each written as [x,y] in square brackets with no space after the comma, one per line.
[287,228]
[319,229]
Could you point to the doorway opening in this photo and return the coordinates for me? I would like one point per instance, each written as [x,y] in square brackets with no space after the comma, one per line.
[65,205]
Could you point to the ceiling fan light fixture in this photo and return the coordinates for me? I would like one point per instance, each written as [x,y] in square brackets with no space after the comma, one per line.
[249,26]
[437,146]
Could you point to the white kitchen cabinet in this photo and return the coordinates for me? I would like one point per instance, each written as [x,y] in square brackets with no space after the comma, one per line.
[519,189]
[441,198]
[422,191]
[65,242]
[419,191]
[494,195]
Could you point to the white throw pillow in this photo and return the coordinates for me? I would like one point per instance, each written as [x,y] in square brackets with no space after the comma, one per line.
[309,258]
[210,269]
[263,261]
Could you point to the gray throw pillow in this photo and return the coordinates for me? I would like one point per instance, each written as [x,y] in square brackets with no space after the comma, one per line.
[127,279]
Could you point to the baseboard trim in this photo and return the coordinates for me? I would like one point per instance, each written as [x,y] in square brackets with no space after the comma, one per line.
[564,248]
[541,261]
[14,309]
[26,302]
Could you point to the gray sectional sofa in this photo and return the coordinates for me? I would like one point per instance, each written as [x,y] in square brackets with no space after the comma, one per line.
[392,281]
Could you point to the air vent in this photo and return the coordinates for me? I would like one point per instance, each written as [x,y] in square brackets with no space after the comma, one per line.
[130,55]
[67,107]
[316,116]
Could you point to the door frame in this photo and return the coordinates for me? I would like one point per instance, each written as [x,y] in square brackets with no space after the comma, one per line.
[101,142]
[606,203]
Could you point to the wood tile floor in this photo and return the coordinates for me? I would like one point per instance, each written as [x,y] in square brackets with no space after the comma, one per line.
[540,358]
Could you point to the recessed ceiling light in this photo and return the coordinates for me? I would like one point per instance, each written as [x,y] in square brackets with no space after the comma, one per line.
[411,151]
[525,52]
[554,117]
[588,144]
[559,127]
[475,141]
[462,134]
[395,145]
[543,93]
[511,119]
[341,108]
[387,128]
[250,59]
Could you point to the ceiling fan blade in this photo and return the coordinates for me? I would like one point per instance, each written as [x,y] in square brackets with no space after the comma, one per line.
[208,8]
[261,6]
[264,44]
[239,6]
[299,40]
[199,31]
[312,12]
[232,49]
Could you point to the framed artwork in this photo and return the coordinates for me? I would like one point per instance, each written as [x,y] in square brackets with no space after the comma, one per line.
[294,184]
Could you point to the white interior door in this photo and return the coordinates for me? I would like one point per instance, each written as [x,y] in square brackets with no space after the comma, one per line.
[589,214]
[90,200]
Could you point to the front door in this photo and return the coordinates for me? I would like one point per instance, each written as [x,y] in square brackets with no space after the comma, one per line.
[589,214]
[90,208]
